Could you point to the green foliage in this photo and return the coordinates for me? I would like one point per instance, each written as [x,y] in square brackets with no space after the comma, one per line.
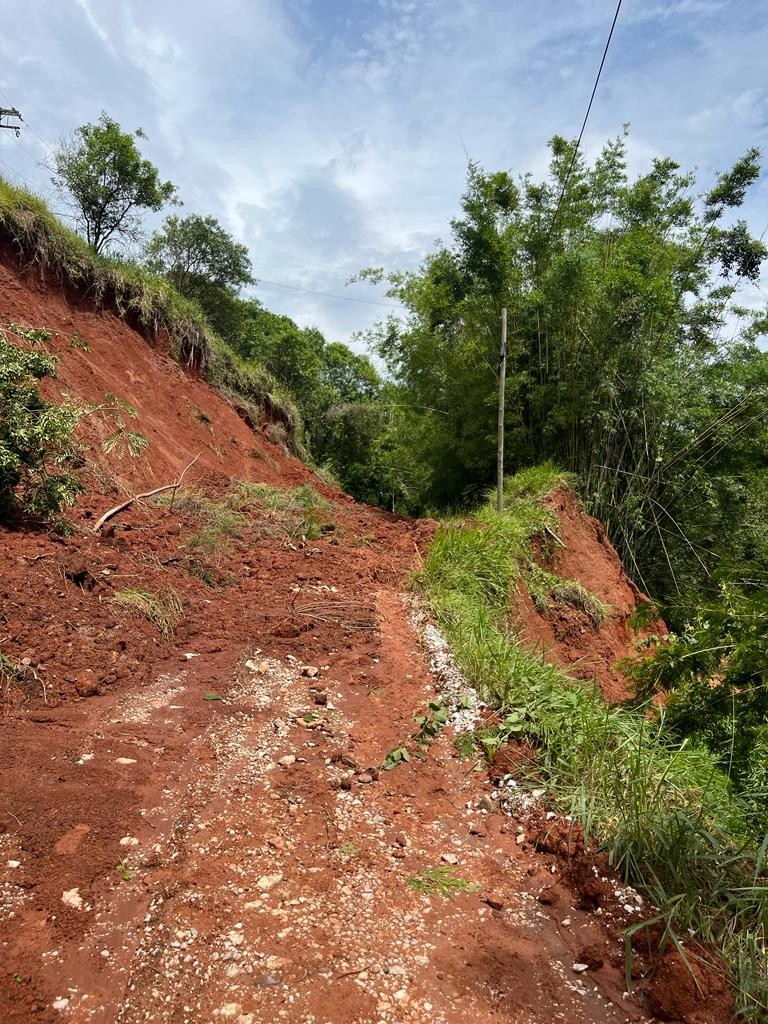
[715,675]
[431,723]
[396,756]
[204,263]
[37,448]
[661,807]
[629,364]
[100,169]
[439,882]
[162,612]
[42,241]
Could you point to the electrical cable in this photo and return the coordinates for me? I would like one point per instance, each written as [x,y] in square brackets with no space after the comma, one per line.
[584,122]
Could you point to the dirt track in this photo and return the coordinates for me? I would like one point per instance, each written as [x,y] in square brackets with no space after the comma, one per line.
[248,886]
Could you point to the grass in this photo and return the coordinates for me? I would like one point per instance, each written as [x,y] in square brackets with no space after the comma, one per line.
[661,809]
[298,513]
[61,255]
[293,513]
[439,882]
[548,590]
[162,612]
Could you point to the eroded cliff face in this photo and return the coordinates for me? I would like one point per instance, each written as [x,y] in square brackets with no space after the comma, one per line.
[568,635]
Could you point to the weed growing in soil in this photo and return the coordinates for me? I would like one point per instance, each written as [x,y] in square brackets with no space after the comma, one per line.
[548,590]
[440,882]
[162,612]
[396,756]
[662,809]
[297,513]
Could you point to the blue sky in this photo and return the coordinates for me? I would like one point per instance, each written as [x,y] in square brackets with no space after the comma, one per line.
[331,135]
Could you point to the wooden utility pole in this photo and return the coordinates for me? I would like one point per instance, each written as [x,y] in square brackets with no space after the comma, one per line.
[502,385]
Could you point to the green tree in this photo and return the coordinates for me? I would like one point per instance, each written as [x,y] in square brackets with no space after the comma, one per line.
[203,262]
[101,172]
[620,367]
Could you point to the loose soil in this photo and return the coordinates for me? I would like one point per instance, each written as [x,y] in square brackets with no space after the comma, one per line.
[196,827]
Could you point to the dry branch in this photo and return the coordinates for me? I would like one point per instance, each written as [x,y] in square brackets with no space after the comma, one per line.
[147,494]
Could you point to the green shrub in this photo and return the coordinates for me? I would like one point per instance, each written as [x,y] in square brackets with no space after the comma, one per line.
[37,448]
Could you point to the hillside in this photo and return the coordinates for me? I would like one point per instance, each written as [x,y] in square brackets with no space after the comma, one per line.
[195,823]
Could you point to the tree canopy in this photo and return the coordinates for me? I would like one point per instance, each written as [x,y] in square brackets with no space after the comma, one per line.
[101,172]
[629,361]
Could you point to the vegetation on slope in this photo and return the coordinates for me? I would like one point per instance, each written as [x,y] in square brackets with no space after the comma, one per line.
[662,807]
[630,360]
[39,240]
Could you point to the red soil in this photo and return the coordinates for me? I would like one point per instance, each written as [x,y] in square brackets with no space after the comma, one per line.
[567,635]
[251,886]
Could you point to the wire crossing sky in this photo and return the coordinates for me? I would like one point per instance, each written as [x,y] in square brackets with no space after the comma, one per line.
[331,135]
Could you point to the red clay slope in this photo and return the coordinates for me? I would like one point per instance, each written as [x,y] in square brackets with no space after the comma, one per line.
[566,635]
[179,414]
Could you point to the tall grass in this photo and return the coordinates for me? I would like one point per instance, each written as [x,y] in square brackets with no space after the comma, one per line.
[59,254]
[661,808]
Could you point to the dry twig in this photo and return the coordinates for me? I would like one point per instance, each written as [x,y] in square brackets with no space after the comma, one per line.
[147,494]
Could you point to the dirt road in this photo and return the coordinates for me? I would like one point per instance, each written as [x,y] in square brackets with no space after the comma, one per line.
[206,834]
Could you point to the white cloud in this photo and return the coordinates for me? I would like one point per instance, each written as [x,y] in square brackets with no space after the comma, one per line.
[330,135]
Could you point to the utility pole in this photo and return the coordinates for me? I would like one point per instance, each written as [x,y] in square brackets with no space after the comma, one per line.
[11,112]
[502,385]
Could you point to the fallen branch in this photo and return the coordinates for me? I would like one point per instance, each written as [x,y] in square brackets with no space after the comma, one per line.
[147,494]
[554,536]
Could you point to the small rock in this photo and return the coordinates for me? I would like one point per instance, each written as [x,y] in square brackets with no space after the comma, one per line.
[268,881]
[365,778]
[345,783]
[235,938]
[189,655]
[485,804]
[520,839]
[548,896]
[450,858]
[310,670]
[478,830]
[494,902]
[125,760]
[14,863]
[87,685]
[398,853]
[287,761]
[580,968]
[61,1003]
[129,841]
[72,898]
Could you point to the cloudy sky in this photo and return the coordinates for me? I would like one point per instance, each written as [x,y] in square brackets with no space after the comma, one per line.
[332,134]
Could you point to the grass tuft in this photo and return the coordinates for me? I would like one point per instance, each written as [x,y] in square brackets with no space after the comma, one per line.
[439,882]
[548,590]
[162,612]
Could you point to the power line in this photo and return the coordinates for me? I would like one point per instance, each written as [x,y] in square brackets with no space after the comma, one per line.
[586,118]
[328,295]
